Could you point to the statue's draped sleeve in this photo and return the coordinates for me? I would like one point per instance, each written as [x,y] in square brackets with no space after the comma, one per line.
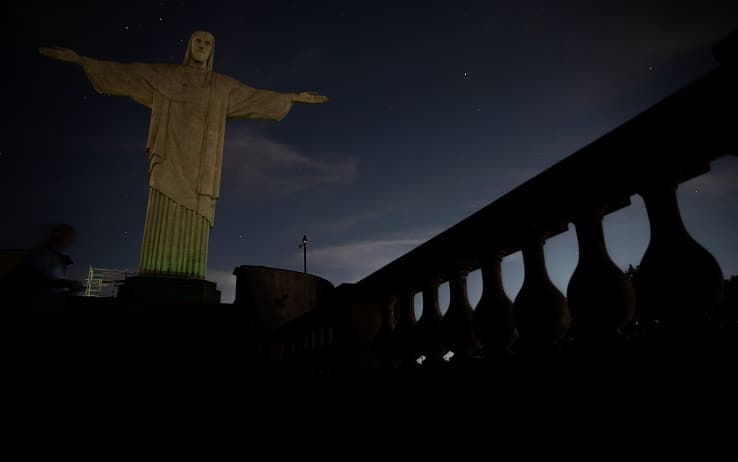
[121,79]
[245,102]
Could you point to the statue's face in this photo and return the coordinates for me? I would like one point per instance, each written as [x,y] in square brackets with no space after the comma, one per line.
[202,46]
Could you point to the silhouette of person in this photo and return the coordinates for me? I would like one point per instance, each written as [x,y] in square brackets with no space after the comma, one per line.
[39,280]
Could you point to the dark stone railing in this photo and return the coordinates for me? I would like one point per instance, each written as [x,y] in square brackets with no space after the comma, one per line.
[678,283]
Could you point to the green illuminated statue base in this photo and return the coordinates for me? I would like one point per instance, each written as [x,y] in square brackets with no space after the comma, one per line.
[161,289]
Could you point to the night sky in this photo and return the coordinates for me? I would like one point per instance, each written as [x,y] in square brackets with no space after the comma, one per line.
[436,109]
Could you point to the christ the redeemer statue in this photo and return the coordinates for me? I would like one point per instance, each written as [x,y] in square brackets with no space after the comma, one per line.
[189,106]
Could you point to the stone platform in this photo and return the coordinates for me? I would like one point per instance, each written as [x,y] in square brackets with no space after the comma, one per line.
[164,289]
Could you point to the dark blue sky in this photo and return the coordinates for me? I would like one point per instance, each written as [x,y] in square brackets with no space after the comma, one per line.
[436,109]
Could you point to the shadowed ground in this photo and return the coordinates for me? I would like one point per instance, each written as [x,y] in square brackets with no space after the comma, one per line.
[81,373]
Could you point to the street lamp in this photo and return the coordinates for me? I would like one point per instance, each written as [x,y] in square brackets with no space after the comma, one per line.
[304,247]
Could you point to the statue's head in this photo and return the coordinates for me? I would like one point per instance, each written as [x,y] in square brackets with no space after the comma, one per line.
[200,50]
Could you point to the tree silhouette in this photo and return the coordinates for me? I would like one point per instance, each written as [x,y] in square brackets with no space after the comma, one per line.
[632,271]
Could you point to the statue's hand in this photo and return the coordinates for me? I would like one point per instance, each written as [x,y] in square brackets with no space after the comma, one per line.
[59,53]
[309,97]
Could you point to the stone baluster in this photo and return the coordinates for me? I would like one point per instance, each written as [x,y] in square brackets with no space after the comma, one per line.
[404,334]
[457,327]
[430,340]
[678,281]
[384,342]
[601,298]
[540,309]
[493,318]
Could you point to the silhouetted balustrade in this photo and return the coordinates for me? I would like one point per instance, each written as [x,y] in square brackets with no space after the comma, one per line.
[600,296]
[428,328]
[494,322]
[540,309]
[456,325]
[678,282]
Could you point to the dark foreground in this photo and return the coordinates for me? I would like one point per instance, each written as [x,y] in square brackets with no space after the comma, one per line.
[85,378]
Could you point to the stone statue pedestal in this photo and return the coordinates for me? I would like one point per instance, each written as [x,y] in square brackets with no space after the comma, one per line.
[168,290]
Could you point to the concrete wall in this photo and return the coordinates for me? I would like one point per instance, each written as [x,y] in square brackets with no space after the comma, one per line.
[276,296]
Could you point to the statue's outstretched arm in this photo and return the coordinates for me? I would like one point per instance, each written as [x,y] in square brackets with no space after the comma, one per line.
[309,97]
[110,77]
[246,102]
[60,54]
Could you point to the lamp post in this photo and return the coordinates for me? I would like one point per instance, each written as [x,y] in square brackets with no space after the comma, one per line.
[304,247]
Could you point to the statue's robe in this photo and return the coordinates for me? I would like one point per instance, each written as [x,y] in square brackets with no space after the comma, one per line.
[189,108]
